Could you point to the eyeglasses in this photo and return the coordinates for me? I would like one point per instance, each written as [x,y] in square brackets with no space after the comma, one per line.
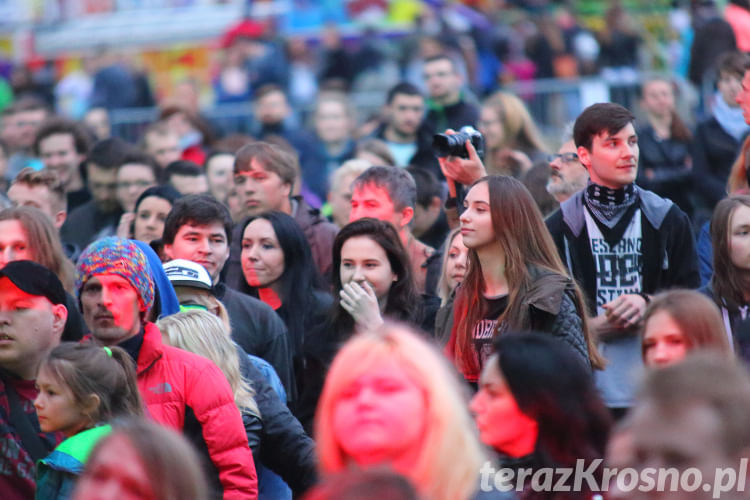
[134,184]
[566,157]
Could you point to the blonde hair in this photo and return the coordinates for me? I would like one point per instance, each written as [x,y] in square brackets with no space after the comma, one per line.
[520,130]
[354,167]
[446,468]
[204,334]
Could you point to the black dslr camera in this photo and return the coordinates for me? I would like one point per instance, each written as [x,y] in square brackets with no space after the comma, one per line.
[455,145]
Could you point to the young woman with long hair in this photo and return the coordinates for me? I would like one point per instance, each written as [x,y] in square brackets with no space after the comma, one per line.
[538,407]
[512,140]
[28,234]
[279,269]
[203,333]
[515,279]
[373,280]
[451,275]
[730,284]
[664,140]
[680,321]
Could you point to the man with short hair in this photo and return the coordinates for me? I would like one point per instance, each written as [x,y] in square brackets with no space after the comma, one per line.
[389,194]
[186,177]
[567,175]
[693,416]
[274,117]
[20,122]
[100,216]
[447,106]
[181,390]
[40,189]
[161,143]
[32,319]
[621,243]
[430,225]
[62,145]
[265,176]
[199,229]
[408,140]
[137,172]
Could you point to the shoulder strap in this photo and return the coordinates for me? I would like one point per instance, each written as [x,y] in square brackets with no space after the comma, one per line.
[32,443]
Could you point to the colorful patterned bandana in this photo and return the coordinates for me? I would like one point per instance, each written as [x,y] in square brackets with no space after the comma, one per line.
[121,257]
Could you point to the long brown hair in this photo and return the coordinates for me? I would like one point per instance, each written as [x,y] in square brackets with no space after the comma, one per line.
[698,318]
[43,240]
[87,369]
[737,181]
[727,283]
[525,241]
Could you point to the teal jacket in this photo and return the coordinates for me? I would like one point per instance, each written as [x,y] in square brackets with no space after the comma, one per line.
[57,473]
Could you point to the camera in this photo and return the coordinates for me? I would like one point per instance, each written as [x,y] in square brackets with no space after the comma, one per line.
[455,145]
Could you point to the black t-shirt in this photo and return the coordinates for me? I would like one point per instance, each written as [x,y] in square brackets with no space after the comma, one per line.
[486,329]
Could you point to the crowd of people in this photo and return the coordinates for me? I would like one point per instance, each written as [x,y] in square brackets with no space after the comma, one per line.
[321,314]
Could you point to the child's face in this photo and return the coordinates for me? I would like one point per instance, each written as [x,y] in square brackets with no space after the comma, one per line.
[56,408]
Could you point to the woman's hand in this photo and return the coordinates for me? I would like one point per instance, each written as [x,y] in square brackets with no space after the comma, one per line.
[462,170]
[360,301]
[126,222]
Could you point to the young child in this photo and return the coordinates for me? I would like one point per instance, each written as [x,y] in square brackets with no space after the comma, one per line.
[82,387]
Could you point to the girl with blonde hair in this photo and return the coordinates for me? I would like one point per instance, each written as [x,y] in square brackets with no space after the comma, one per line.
[513,141]
[203,333]
[391,399]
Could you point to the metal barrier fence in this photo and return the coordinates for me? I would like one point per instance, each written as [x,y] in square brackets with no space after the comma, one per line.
[551,102]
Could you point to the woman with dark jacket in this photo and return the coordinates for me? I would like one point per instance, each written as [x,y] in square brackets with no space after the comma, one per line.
[515,281]
[730,284]
[278,268]
[537,407]
[665,163]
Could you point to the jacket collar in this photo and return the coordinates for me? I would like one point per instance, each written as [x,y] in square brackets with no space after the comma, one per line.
[653,207]
[546,290]
[152,348]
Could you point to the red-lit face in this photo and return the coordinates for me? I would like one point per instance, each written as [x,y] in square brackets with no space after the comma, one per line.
[260,190]
[111,308]
[502,425]
[374,201]
[380,416]
[115,473]
[14,243]
[663,341]
[30,327]
[262,257]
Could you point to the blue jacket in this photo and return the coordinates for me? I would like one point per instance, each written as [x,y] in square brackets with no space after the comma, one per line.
[58,472]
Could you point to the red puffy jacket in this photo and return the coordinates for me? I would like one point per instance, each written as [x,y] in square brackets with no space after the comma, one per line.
[175,383]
